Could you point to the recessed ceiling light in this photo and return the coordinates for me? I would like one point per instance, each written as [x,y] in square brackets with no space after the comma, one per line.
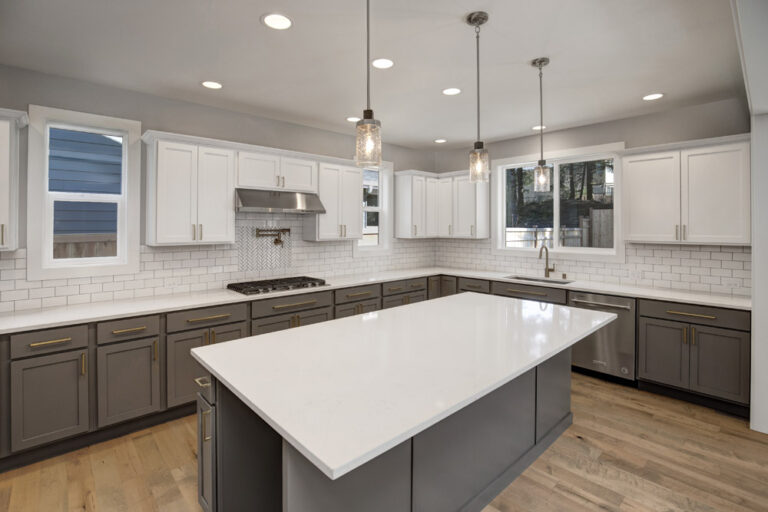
[353,119]
[277,21]
[539,128]
[440,141]
[382,63]
[211,84]
[452,91]
[653,96]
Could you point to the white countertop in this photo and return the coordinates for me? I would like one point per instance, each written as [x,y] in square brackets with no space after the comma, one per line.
[344,391]
[99,311]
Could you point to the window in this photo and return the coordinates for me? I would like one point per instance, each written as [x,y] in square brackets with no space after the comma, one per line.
[576,215]
[371,207]
[377,205]
[83,197]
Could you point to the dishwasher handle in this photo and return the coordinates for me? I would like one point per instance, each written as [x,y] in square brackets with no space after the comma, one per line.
[601,304]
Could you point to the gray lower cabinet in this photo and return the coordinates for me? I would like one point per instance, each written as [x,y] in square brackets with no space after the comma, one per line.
[206,454]
[272,324]
[49,398]
[474,285]
[403,299]
[720,363]
[528,292]
[447,286]
[663,354]
[128,380]
[314,316]
[433,287]
[357,308]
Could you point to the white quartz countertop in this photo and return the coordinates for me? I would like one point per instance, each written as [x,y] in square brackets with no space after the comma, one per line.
[344,391]
[99,311]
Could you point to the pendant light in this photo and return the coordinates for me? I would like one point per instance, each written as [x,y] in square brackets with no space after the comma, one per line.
[541,175]
[479,161]
[368,129]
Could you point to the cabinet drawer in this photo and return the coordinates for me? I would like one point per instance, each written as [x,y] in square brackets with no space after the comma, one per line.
[524,291]
[127,329]
[358,293]
[262,308]
[196,318]
[703,315]
[403,299]
[356,308]
[48,341]
[447,285]
[406,285]
[474,285]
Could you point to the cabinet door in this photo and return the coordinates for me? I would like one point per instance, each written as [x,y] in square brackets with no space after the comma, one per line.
[447,286]
[651,196]
[314,316]
[464,207]
[663,353]
[182,369]
[216,195]
[272,324]
[255,170]
[49,398]
[431,207]
[351,201]
[329,223]
[419,207]
[715,194]
[394,300]
[433,287]
[445,207]
[299,174]
[128,380]
[206,455]
[229,332]
[720,363]
[5,184]
[176,193]
[357,308]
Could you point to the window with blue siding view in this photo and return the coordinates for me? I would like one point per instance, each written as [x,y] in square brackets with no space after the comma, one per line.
[83,162]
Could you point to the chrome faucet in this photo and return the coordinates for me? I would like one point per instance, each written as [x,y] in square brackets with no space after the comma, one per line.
[547,269]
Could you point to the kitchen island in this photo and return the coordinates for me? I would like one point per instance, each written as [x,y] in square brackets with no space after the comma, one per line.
[435,406]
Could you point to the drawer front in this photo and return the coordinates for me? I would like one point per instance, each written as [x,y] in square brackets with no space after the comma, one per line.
[434,287]
[127,329]
[314,316]
[524,291]
[205,317]
[356,308]
[404,286]
[268,307]
[474,285]
[447,285]
[358,293]
[403,299]
[272,324]
[48,341]
[703,315]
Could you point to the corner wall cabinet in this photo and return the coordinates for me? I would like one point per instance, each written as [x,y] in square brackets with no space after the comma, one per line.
[698,196]
[448,205]
[11,121]
[340,191]
[275,172]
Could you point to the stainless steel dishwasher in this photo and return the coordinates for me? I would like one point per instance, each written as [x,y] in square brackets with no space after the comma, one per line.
[610,350]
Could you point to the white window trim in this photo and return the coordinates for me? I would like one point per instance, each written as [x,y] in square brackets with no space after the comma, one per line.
[386,216]
[40,264]
[613,150]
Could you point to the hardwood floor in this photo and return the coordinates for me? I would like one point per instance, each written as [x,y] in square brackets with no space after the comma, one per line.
[627,450]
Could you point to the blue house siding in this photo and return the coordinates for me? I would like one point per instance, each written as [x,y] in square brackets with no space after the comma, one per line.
[76,217]
[84,162]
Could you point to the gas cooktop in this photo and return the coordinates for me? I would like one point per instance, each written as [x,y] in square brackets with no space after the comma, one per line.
[275,285]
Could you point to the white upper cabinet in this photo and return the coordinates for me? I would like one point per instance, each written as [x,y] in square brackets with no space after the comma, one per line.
[216,195]
[471,208]
[431,208]
[699,195]
[256,170]
[340,191]
[10,123]
[298,174]
[411,205]
[445,208]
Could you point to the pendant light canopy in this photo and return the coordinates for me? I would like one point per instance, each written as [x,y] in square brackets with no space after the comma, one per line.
[479,161]
[368,129]
[541,175]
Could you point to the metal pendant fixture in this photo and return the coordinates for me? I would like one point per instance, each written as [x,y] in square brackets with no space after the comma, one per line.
[368,129]
[541,175]
[479,161]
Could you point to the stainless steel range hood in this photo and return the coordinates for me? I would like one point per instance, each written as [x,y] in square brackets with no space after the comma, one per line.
[273,201]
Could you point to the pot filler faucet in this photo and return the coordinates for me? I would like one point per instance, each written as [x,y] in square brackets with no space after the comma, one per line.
[547,269]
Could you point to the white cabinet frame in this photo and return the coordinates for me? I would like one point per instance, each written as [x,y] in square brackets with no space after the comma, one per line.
[11,122]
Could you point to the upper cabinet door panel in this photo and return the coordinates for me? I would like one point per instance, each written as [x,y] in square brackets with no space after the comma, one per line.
[652,197]
[216,195]
[255,170]
[464,207]
[352,201]
[5,184]
[445,207]
[431,214]
[329,223]
[298,174]
[176,192]
[716,194]
[419,207]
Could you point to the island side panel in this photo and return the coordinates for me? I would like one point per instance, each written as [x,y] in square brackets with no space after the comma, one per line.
[553,393]
[455,460]
[380,485]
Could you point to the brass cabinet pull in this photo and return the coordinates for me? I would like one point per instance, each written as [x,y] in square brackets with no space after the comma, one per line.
[206,338]
[298,320]
[677,231]
[358,294]
[208,318]
[694,315]
[693,336]
[201,231]
[601,304]
[129,330]
[473,286]
[155,350]
[685,335]
[2,234]
[203,382]
[395,288]
[515,290]
[295,304]
[278,180]
[417,285]
[204,434]
[213,336]
[685,233]
[49,342]
[83,364]
[194,231]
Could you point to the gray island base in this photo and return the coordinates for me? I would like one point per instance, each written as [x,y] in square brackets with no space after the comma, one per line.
[460,463]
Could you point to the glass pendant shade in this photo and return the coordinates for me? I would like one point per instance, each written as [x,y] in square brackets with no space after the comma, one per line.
[368,142]
[542,177]
[479,164]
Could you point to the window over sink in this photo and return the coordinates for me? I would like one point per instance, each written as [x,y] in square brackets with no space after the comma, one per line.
[378,228]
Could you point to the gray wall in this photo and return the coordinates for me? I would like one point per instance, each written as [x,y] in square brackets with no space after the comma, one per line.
[715,119]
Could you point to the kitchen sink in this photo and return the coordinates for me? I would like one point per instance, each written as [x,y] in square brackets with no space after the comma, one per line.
[550,280]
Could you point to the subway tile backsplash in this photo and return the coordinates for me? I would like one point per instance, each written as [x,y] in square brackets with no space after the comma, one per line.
[168,270]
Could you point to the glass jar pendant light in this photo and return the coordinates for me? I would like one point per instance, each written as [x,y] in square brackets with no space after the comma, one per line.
[541,175]
[479,161]
[368,129]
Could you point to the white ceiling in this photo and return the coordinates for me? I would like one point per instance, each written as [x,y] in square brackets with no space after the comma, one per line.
[605,55]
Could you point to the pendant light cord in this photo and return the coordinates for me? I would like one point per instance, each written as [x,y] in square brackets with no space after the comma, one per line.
[477,60]
[368,53]
[541,112]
